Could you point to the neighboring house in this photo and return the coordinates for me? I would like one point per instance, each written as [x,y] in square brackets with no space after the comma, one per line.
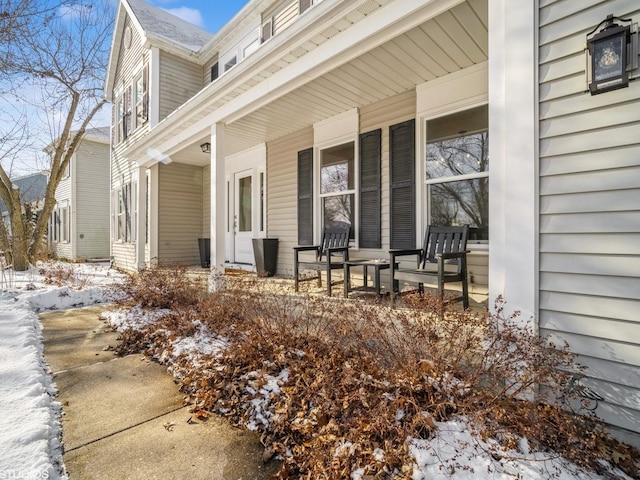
[385,113]
[32,189]
[79,224]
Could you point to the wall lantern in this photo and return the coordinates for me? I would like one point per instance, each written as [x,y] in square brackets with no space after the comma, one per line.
[206,147]
[609,51]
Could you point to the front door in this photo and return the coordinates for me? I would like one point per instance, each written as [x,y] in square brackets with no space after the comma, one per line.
[243,217]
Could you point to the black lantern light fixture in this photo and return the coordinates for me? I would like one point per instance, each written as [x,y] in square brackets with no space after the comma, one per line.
[609,51]
[206,147]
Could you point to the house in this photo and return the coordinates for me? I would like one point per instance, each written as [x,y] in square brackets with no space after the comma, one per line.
[79,227]
[385,113]
[32,188]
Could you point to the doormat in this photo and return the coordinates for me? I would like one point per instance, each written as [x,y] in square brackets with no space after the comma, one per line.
[237,272]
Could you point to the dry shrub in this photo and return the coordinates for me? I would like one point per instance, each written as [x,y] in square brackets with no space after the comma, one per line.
[61,274]
[361,378]
[166,287]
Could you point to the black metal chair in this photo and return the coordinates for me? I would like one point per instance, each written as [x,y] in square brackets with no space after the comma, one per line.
[441,260]
[334,243]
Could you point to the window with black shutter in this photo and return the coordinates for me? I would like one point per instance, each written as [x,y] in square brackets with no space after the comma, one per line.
[214,71]
[305,197]
[402,185]
[370,164]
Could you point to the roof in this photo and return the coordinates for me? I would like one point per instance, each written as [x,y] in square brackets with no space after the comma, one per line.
[98,134]
[32,187]
[161,24]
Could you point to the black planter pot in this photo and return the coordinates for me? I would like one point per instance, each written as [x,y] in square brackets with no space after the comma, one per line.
[265,252]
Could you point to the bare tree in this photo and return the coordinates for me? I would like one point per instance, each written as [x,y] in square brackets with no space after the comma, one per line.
[54,65]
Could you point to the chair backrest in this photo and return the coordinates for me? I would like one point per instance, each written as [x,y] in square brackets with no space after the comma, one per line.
[336,234]
[444,240]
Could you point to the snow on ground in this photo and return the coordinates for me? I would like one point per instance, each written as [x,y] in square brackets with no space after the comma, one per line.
[30,417]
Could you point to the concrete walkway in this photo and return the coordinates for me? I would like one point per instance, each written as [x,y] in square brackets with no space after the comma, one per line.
[123,416]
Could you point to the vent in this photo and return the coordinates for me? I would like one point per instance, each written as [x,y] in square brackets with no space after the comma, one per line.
[298,52]
[369,7]
[330,32]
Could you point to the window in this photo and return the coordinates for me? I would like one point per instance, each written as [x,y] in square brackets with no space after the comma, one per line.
[118,118]
[125,211]
[126,115]
[349,191]
[307,4]
[67,169]
[457,171]
[141,98]
[267,29]
[131,107]
[214,71]
[230,63]
[60,225]
[337,185]
[64,224]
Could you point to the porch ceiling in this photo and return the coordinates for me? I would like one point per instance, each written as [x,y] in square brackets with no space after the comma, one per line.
[453,40]
[449,41]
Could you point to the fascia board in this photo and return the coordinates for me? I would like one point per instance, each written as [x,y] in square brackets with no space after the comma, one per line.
[116,39]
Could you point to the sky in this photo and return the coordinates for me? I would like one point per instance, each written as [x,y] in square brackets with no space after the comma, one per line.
[209,15]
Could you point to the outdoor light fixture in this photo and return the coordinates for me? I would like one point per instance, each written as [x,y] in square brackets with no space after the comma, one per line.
[206,147]
[609,51]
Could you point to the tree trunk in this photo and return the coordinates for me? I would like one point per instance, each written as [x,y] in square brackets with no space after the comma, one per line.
[19,240]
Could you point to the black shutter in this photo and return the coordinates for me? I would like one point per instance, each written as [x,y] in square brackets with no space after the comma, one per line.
[370,159]
[305,197]
[402,185]
[214,71]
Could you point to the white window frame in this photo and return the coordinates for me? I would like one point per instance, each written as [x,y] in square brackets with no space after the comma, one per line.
[476,245]
[124,208]
[352,191]
[332,132]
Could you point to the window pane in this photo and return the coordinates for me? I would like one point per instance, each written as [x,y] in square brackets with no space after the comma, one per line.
[458,156]
[336,169]
[462,202]
[338,208]
[244,207]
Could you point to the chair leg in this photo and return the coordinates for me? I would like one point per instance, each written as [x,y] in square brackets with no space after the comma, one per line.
[295,275]
[329,281]
[465,293]
[319,279]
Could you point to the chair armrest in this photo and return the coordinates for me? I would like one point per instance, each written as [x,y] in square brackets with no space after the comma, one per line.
[450,255]
[401,253]
[303,248]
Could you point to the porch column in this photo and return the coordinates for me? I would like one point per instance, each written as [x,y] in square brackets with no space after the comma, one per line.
[513,149]
[153,214]
[217,207]
[141,221]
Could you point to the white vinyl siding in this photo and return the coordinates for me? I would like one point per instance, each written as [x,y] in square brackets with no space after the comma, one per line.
[180,213]
[91,212]
[282,216]
[589,209]
[179,81]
